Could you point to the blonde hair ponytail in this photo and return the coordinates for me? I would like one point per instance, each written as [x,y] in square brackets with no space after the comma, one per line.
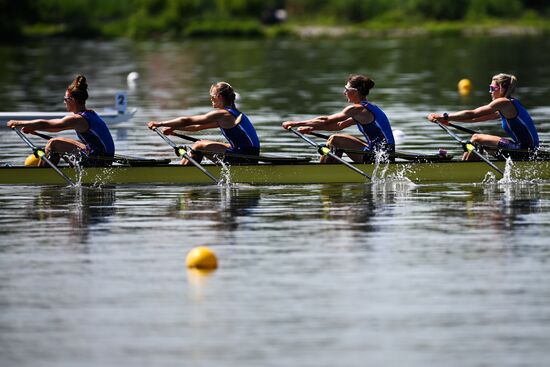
[506,81]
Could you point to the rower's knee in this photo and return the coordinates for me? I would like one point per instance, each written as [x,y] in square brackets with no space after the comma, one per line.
[335,141]
[476,138]
[51,146]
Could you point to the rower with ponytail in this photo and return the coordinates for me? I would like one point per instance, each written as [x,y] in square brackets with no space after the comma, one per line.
[95,146]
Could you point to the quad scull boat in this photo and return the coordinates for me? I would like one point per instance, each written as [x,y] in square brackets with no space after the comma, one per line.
[299,171]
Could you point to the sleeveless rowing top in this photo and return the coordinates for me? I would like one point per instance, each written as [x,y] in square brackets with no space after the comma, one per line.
[378,132]
[521,128]
[243,135]
[97,138]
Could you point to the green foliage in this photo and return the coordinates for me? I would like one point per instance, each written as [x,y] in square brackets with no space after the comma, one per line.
[231,28]
[440,9]
[479,9]
[177,18]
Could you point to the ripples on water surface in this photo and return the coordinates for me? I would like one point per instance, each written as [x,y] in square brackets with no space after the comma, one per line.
[379,274]
[317,275]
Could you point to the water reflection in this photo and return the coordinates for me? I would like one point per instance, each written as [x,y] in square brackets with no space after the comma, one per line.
[484,207]
[225,206]
[510,202]
[74,210]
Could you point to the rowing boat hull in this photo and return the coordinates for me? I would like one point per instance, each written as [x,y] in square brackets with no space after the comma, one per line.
[266,174]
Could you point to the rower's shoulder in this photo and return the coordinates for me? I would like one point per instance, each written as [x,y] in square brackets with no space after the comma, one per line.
[219,113]
[356,109]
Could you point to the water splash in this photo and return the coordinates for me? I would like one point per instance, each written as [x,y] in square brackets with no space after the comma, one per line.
[103,177]
[74,161]
[381,172]
[489,178]
[225,172]
[508,170]
[381,164]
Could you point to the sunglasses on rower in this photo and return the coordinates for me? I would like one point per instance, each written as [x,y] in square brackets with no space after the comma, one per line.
[493,88]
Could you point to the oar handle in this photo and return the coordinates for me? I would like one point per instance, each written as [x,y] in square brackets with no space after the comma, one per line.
[186,137]
[319,135]
[462,128]
[43,136]
[326,151]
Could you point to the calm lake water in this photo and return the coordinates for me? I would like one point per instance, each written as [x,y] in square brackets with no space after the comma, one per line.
[389,273]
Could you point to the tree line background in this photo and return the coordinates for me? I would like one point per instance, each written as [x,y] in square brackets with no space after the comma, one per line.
[180,18]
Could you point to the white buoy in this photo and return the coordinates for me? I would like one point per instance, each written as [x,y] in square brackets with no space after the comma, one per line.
[132,79]
[398,135]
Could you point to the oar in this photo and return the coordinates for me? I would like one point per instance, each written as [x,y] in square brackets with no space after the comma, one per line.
[326,151]
[43,136]
[462,128]
[469,147]
[186,137]
[118,158]
[182,152]
[410,156]
[42,155]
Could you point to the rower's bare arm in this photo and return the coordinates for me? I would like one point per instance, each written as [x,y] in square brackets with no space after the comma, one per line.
[328,123]
[197,127]
[314,122]
[483,113]
[206,121]
[54,125]
[345,124]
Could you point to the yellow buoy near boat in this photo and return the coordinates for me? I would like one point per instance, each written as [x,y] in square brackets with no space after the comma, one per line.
[464,87]
[201,257]
[32,160]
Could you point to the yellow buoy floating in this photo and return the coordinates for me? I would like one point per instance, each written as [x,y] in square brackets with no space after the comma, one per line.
[201,257]
[32,160]
[464,87]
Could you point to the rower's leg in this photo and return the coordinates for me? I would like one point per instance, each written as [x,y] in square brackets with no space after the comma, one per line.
[483,139]
[338,143]
[56,147]
[206,148]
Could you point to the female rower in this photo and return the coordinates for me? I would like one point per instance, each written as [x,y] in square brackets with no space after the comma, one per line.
[369,118]
[234,125]
[516,122]
[95,146]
